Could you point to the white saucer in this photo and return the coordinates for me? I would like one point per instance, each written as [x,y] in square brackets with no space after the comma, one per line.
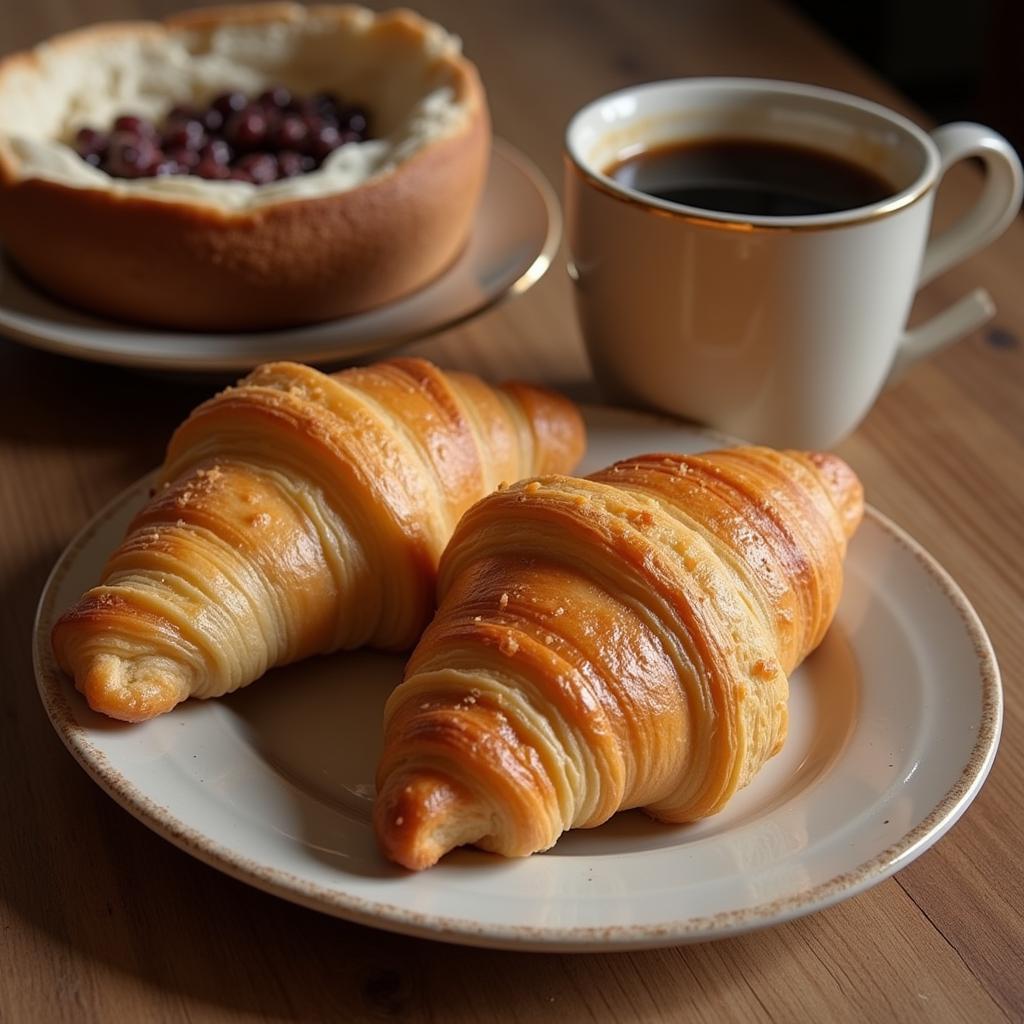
[894,722]
[514,238]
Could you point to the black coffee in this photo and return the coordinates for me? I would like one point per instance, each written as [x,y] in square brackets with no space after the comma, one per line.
[747,176]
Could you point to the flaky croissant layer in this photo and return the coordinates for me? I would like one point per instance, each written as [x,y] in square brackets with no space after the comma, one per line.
[618,641]
[300,513]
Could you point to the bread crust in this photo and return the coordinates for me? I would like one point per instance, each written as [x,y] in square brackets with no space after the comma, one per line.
[185,265]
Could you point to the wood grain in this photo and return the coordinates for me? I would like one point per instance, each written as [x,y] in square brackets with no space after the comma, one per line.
[100,920]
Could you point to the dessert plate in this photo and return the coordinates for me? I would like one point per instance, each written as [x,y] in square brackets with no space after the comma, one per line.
[894,722]
[514,238]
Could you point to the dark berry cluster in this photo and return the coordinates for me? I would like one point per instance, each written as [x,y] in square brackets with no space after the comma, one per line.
[277,135]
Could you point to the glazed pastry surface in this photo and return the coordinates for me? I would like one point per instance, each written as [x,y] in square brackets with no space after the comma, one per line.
[618,641]
[299,513]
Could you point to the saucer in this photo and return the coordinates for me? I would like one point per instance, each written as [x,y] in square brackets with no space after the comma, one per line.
[514,238]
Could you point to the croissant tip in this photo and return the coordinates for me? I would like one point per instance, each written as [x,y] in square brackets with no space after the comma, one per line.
[420,817]
[844,487]
[130,690]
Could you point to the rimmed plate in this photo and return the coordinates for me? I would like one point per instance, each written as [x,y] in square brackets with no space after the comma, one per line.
[894,722]
[514,238]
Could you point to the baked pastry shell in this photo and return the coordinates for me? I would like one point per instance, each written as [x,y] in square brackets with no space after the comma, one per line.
[188,265]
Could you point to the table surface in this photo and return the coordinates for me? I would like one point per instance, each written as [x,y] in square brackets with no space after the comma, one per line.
[102,920]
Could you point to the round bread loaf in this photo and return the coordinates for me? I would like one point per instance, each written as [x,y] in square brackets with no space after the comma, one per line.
[376,221]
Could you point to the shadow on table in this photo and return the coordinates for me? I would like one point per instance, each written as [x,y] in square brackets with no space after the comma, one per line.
[53,401]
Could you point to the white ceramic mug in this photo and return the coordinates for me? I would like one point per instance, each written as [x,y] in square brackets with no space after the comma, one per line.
[781,330]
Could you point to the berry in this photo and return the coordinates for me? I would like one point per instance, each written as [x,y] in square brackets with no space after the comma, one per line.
[228,103]
[216,150]
[131,156]
[291,164]
[188,134]
[325,141]
[247,129]
[131,125]
[261,167]
[277,96]
[211,170]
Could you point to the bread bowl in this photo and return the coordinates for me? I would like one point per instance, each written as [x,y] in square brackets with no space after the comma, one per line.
[378,220]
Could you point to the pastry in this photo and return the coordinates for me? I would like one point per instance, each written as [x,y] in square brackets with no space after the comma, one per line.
[374,219]
[618,641]
[299,513]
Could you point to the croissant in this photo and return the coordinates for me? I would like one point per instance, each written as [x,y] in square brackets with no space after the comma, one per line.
[299,513]
[618,641]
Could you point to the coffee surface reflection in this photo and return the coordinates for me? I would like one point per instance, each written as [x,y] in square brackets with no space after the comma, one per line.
[747,176]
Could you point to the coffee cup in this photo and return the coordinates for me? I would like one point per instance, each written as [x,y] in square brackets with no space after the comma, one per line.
[779,327]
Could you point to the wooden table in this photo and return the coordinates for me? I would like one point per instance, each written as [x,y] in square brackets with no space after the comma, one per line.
[101,920]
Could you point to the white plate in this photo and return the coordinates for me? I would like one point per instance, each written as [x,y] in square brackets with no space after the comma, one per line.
[893,727]
[514,238]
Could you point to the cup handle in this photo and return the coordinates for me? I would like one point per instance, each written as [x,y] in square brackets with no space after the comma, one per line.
[992,214]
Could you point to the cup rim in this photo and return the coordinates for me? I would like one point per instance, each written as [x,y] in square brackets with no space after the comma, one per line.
[910,194]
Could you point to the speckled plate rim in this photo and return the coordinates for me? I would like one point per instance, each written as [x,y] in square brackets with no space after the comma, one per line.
[52,689]
[307,344]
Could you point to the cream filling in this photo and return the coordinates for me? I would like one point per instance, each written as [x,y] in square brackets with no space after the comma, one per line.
[397,75]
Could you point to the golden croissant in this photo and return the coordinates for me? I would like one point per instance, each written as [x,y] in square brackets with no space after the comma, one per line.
[300,513]
[618,641]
